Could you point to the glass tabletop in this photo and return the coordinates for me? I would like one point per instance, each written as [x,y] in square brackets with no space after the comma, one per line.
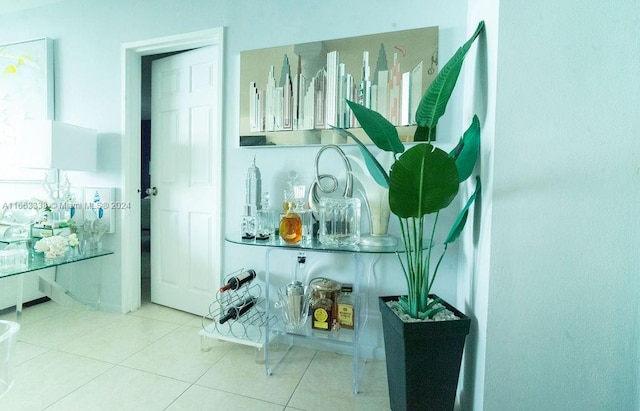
[315,245]
[37,261]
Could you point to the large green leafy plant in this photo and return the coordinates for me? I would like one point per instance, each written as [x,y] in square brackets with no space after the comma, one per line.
[423,180]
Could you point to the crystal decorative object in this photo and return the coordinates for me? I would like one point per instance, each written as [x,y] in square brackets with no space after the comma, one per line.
[339,221]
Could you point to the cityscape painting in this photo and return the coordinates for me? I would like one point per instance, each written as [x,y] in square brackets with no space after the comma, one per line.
[294,95]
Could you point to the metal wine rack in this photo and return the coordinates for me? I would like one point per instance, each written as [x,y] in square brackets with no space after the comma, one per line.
[248,329]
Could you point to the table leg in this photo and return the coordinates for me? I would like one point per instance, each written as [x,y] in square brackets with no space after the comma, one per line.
[61,295]
[20,297]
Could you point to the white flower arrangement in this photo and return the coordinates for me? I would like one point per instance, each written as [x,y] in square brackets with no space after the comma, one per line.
[54,246]
[73,239]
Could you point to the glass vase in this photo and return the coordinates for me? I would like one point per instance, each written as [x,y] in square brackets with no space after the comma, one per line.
[92,246]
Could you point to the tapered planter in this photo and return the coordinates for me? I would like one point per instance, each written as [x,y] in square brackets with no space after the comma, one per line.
[423,359]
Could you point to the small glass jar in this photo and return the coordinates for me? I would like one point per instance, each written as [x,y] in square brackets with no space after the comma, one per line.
[265,226]
[326,286]
[248,227]
[339,221]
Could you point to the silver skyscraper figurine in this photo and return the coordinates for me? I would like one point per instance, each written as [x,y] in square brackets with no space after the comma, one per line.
[254,189]
[252,203]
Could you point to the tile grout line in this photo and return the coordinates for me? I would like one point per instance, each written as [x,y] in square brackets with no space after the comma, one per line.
[315,352]
[85,383]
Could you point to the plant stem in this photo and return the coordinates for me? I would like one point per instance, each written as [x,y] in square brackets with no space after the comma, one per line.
[404,268]
[427,263]
[433,278]
[423,266]
[416,261]
[408,271]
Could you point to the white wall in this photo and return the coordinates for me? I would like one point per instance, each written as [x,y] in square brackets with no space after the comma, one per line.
[474,257]
[563,301]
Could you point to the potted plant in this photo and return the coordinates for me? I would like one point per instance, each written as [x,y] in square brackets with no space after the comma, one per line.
[422,181]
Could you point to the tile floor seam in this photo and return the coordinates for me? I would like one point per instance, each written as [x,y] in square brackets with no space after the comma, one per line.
[81,385]
[83,356]
[157,319]
[154,373]
[60,348]
[234,393]
[208,369]
[301,377]
[178,397]
[31,358]
[147,346]
[49,350]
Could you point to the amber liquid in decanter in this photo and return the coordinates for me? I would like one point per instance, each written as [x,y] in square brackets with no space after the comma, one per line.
[291,227]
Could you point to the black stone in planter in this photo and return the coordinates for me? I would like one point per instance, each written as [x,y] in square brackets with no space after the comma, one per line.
[423,359]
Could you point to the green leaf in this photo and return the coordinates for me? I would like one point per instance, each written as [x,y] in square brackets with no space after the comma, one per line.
[434,102]
[376,170]
[424,134]
[434,302]
[403,303]
[379,129]
[466,152]
[461,220]
[432,312]
[423,180]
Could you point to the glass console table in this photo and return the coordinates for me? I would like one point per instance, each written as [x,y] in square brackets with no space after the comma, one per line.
[343,340]
[51,289]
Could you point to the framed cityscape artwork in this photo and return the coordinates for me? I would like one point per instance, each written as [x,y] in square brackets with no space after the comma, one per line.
[294,95]
[26,92]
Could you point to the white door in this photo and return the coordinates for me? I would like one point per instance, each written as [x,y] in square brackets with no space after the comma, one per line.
[185,170]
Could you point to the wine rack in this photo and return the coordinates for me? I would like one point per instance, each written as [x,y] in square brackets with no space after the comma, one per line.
[249,328]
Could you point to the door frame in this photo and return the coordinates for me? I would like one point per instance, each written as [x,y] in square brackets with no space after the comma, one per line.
[130,148]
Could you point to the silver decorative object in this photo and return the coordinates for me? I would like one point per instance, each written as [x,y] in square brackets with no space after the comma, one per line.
[314,198]
[253,189]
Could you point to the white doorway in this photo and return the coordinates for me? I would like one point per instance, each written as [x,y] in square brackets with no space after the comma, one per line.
[131,154]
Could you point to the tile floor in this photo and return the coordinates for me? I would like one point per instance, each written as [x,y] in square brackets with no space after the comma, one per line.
[79,359]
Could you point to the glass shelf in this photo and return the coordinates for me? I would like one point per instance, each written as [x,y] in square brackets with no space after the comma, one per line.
[37,261]
[315,245]
[342,336]
[49,287]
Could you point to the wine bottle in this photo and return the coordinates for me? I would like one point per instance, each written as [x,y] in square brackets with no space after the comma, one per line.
[239,280]
[237,311]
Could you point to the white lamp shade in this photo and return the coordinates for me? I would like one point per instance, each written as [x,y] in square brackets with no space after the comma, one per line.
[52,144]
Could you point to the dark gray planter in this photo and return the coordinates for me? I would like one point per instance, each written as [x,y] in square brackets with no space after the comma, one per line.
[423,359]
